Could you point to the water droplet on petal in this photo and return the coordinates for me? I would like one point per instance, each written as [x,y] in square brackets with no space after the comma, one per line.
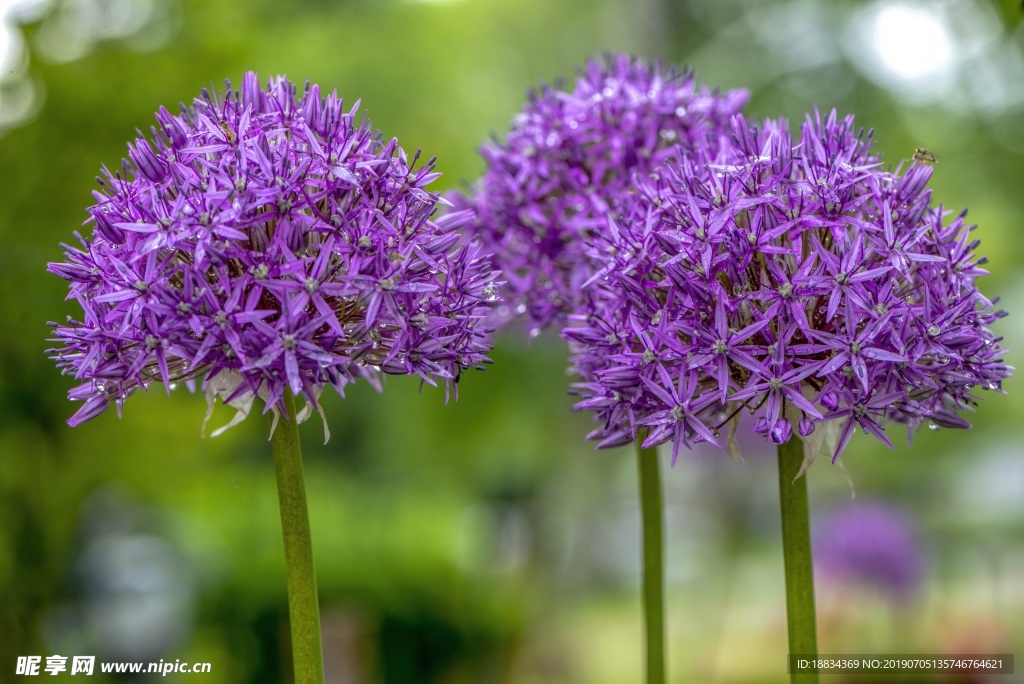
[933,426]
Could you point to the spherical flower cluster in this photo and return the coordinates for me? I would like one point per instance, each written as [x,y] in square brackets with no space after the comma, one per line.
[872,544]
[567,162]
[800,282]
[265,242]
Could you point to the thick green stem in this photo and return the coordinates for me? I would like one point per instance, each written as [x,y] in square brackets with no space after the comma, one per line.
[653,563]
[303,606]
[796,549]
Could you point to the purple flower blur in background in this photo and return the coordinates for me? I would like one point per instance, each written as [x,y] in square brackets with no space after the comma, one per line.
[567,163]
[801,282]
[268,242]
[872,544]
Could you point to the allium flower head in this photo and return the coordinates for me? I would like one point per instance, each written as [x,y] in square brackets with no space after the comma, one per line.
[872,544]
[799,281]
[567,163]
[261,241]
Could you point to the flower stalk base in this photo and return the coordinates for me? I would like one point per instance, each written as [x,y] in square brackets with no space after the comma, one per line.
[796,549]
[653,563]
[303,605]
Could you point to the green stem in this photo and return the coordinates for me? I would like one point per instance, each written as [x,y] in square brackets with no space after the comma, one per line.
[653,563]
[796,550]
[303,607]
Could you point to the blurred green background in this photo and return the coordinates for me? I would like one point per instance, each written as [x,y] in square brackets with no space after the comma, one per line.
[482,541]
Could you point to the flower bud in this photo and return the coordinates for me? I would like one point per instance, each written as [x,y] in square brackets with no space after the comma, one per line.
[806,426]
[781,431]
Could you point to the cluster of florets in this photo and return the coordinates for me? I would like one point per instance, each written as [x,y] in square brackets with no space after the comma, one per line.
[800,282]
[568,162]
[871,544]
[265,242]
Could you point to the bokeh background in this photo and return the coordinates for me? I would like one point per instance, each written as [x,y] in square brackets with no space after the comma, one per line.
[486,541]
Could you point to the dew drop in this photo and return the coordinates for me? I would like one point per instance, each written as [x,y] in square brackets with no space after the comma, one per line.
[933,426]
[534,332]
[680,111]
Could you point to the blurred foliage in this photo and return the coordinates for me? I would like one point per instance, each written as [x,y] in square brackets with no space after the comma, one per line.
[483,540]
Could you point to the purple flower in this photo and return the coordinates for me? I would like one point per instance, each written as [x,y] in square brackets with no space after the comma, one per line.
[801,282]
[261,242]
[871,544]
[566,167]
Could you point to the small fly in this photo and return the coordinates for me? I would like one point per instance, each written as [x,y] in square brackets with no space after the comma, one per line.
[924,156]
[228,133]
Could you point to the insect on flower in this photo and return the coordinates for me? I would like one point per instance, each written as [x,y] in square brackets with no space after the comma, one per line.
[228,133]
[925,156]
